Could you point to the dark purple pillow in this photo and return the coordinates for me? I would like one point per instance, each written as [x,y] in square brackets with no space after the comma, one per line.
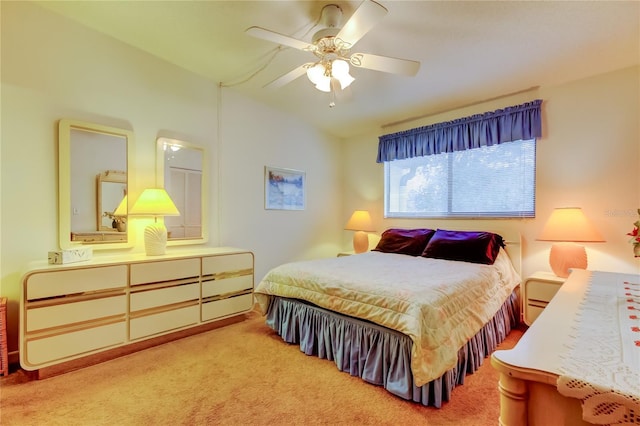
[404,241]
[467,246]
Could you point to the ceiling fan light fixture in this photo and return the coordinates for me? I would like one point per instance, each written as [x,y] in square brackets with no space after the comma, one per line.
[321,74]
[340,70]
[332,44]
[316,73]
[324,85]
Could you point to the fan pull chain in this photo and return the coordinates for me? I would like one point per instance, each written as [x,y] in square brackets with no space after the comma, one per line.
[334,82]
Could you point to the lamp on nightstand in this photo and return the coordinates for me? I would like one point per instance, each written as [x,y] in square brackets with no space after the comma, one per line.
[154,202]
[360,222]
[568,225]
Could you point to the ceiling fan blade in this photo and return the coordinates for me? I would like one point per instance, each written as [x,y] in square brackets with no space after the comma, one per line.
[278,38]
[385,64]
[363,19]
[288,77]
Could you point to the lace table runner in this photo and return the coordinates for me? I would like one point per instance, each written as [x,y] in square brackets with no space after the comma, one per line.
[601,365]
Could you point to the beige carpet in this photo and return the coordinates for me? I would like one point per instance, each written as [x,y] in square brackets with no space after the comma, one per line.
[242,374]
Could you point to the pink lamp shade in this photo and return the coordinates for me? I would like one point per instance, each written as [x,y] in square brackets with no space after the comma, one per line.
[567,225]
[360,222]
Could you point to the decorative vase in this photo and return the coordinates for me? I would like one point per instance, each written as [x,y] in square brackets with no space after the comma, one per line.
[636,250]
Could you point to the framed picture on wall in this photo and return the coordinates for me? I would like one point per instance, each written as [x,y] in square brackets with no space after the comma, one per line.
[284,189]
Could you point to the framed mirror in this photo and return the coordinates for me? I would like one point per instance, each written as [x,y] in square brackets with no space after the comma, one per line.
[112,191]
[93,181]
[182,171]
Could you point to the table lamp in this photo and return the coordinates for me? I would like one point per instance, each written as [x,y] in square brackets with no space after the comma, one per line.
[360,222]
[568,225]
[154,202]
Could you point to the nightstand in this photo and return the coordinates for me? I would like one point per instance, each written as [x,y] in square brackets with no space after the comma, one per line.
[537,292]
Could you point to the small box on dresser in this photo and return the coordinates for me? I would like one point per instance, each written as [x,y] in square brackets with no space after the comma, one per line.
[62,257]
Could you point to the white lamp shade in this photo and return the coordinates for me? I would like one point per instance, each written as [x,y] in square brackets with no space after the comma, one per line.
[340,70]
[154,202]
[121,210]
[316,73]
[324,85]
[345,81]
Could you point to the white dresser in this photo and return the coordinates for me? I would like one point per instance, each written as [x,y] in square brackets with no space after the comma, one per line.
[72,311]
[531,371]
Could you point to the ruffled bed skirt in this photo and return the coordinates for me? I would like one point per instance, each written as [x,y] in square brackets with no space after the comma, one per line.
[379,355]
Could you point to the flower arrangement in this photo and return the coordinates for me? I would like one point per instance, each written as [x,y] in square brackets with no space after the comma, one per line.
[635,237]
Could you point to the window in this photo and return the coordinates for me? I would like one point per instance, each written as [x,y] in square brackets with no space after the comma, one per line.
[493,181]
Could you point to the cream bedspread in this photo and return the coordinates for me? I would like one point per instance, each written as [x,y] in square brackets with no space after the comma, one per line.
[439,304]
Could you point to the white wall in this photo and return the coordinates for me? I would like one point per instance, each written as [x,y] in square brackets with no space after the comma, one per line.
[252,137]
[53,68]
[589,156]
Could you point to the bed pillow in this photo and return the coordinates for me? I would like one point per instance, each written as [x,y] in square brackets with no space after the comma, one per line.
[404,241]
[466,246]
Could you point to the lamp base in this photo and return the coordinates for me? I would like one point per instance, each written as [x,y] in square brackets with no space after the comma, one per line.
[564,256]
[360,242]
[155,239]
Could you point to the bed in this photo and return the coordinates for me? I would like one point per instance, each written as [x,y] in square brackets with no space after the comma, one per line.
[414,315]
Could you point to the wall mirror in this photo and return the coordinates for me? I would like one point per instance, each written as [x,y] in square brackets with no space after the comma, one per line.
[93,180]
[182,170]
[111,186]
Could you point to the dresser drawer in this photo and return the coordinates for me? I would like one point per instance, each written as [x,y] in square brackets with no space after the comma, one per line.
[164,296]
[537,290]
[75,313]
[227,285]
[153,272]
[227,264]
[163,322]
[226,307]
[58,347]
[75,281]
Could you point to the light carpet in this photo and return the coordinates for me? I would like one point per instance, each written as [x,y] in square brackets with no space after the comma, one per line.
[242,374]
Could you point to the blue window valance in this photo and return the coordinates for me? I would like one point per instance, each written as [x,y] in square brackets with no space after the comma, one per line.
[519,122]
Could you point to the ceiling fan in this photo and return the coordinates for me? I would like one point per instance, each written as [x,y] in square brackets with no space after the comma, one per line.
[332,45]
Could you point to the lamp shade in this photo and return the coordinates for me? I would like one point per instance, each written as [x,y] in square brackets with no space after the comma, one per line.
[154,202]
[340,70]
[121,210]
[316,73]
[360,221]
[569,224]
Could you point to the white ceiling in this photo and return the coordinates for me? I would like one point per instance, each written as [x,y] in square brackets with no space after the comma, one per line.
[469,50]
